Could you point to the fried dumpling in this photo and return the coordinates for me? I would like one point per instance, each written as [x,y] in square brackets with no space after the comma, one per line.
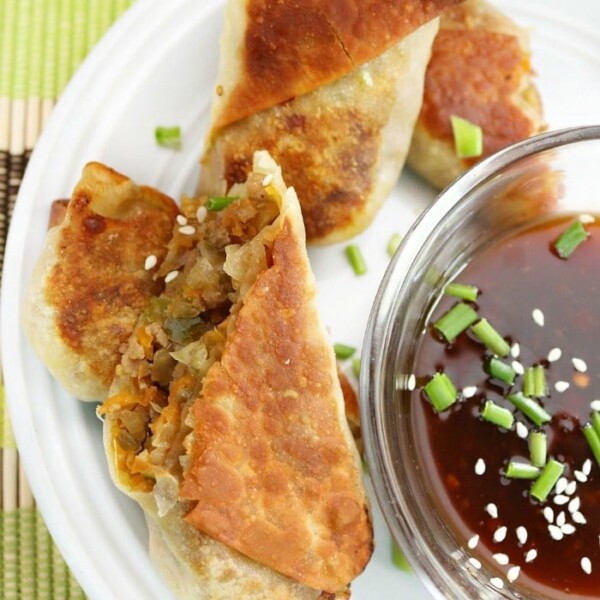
[479,70]
[332,90]
[91,281]
[226,417]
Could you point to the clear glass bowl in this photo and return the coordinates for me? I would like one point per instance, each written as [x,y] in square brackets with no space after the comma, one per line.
[552,173]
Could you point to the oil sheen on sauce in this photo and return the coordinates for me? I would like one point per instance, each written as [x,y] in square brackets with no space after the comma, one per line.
[516,276]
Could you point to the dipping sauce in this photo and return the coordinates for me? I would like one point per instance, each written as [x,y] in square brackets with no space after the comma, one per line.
[548,310]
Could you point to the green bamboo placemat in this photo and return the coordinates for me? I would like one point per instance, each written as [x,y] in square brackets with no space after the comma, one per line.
[42,42]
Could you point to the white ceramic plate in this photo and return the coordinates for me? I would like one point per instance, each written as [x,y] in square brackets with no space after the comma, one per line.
[157,65]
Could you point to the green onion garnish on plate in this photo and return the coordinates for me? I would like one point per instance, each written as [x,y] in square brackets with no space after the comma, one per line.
[216,203]
[468,137]
[356,366]
[593,439]
[500,370]
[538,448]
[398,558]
[530,408]
[342,351]
[462,290]
[521,470]
[168,137]
[497,415]
[393,244]
[490,338]
[355,259]
[570,238]
[441,391]
[455,321]
[545,483]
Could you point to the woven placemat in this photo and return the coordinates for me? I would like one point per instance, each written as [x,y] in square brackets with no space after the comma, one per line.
[42,42]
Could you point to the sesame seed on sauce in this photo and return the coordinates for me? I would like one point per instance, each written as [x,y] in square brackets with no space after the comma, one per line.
[469,391]
[586,469]
[579,365]
[575,504]
[411,384]
[522,535]
[522,430]
[531,555]
[571,488]
[579,518]
[501,558]
[181,220]
[561,485]
[492,510]
[561,519]
[187,230]
[201,214]
[548,514]
[515,350]
[497,582]
[568,529]
[513,573]
[474,563]
[500,534]
[561,386]
[580,476]
[150,262]
[480,467]
[555,532]
[518,367]
[538,317]
[560,499]
[473,541]
[595,406]
[554,354]
[586,565]
[171,276]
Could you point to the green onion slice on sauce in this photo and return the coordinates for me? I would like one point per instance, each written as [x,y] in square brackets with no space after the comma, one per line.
[497,415]
[596,422]
[538,448]
[570,238]
[500,370]
[216,203]
[342,351]
[545,483]
[462,290]
[455,321]
[355,259]
[168,137]
[593,439]
[530,408]
[534,382]
[468,137]
[490,338]
[521,470]
[441,391]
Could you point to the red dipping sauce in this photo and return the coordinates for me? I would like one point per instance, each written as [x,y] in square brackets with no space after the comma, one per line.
[516,276]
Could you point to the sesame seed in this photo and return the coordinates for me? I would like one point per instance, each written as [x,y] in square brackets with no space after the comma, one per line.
[561,519]
[571,488]
[574,505]
[538,317]
[580,476]
[531,555]
[171,276]
[181,220]
[475,563]
[150,262]
[522,534]
[586,469]
[500,558]
[492,510]
[559,499]
[548,514]
[522,430]
[472,543]
[513,573]
[579,365]
[480,467]
[518,367]
[561,386]
[497,582]
[366,77]
[595,405]
[585,218]
[561,485]
[515,350]
[500,534]
[578,518]
[568,529]
[411,383]
[554,354]
[469,391]
[586,565]
[201,214]
[555,532]
[187,230]
[268,179]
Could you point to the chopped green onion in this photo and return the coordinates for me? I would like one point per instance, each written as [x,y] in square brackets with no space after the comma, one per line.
[530,408]
[490,338]
[342,351]
[497,415]
[356,260]
[399,559]
[216,203]
[538,448]
[521,470]
[534,382]
[498,369]
[455,321]
[596,422]
[441,391]
[593,440]
[544,484]
[468,137]
[462,290]
[570,238]
[394,243]
[169,137]
[356,366]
